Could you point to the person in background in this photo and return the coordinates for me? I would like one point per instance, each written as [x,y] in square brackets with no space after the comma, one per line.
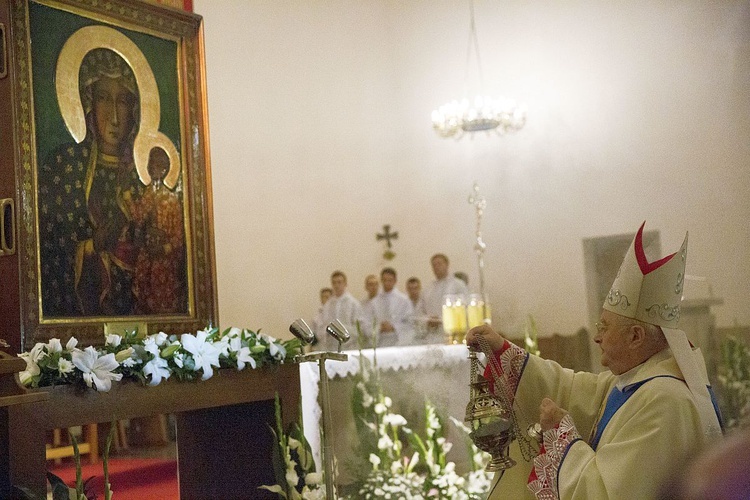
[434,296]
[340,306]
[414,291]
[390,313]
[325,294]
[372,286]
[419,313]
[620,433]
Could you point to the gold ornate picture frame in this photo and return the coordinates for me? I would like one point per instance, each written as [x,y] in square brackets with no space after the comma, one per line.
[113,169]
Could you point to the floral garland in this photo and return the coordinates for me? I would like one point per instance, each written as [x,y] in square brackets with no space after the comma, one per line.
[152,359]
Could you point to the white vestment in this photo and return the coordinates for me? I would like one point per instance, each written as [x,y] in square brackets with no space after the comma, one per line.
[394,307]
[434,295]
[346,309]
[649,436]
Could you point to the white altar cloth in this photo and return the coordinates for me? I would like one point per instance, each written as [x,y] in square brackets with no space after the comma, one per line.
[388,359]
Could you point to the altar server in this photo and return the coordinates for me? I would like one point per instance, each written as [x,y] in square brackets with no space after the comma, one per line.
[342,306]
[434,296]
[618,434]
[388,315]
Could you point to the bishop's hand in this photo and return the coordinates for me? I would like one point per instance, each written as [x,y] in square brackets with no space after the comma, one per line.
[494,339]
[550,414]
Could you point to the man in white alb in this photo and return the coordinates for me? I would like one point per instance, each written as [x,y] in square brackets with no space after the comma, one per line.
[372,286]
[444,284]
[414,291]
[390,313]
[342,306]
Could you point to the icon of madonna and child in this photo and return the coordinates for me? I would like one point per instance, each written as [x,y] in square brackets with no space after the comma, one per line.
[111,224]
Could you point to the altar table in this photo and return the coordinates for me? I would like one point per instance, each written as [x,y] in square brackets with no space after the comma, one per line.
[408,374]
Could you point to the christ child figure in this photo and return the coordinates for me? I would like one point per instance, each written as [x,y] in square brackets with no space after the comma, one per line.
[159,284]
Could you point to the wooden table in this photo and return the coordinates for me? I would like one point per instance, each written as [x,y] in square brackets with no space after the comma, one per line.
[224,444]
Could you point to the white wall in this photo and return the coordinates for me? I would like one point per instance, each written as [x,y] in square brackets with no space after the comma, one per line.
[320,129]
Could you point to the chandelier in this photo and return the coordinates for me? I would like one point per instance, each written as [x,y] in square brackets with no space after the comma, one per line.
[455,118]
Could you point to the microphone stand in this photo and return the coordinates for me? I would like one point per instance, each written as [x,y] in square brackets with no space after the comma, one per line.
[321,358]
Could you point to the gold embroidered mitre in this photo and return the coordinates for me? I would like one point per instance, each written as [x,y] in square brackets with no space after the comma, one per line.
[649,291]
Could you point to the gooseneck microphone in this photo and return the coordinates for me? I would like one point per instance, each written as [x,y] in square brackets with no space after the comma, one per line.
[303,332]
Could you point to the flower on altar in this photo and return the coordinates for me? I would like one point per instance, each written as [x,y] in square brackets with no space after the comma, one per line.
[156,370]
[152,359]
[205,354]
[404,463]
[97,369]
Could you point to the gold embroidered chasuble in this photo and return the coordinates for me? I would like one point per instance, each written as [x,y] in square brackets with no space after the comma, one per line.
[654,431]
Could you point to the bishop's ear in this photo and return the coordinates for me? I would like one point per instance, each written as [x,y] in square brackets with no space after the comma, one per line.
[637,336]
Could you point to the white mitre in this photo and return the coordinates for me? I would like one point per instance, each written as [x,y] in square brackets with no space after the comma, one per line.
[652,292]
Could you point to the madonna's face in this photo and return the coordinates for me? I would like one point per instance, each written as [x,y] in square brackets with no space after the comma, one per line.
[113,113]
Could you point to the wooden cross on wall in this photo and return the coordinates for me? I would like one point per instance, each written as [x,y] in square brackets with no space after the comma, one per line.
[387,235]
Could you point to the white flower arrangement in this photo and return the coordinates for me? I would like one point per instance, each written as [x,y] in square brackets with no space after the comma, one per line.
[402,463]
[152,359]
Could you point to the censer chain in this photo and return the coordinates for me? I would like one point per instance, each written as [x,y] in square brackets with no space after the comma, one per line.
[503,394]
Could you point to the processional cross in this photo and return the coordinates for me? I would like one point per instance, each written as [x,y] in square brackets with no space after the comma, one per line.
[480,203]
[387,235]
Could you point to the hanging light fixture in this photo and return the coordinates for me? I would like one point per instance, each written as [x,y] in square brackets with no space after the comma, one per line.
[455,118]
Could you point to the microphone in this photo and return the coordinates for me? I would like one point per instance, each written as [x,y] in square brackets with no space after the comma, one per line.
[303,332]
[337,330]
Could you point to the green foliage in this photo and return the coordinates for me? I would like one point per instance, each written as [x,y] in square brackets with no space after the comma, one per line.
[734,381]
[293,462]
[530,336]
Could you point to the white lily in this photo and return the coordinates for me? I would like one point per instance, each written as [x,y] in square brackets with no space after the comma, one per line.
[205,355]
[277,351]
[314,478]
[150,345]
[31,371]
[245,356]
[313,494]
[113,340]
[97,370]
[54,345]
[394,419]
[157,369]
[32,359]
[71,344]
[160,338]
[223,347]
